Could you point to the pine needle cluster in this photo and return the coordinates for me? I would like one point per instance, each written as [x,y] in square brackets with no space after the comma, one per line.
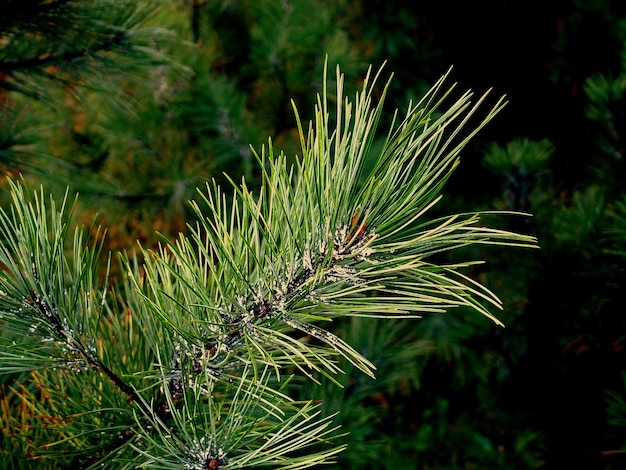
[185,361]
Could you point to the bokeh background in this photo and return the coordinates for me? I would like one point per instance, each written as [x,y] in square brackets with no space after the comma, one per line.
[135,104]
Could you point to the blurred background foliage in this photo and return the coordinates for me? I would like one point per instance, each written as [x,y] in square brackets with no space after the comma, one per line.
[134,104]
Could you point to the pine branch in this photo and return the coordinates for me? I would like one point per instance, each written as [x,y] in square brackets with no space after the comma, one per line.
[197,345]
[318,243]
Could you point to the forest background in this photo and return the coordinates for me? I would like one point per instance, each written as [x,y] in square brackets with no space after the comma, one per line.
[137,119]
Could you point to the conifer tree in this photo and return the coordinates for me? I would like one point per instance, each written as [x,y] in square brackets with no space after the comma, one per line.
[186,359]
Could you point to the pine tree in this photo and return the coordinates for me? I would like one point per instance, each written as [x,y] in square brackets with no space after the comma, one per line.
[186,360]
